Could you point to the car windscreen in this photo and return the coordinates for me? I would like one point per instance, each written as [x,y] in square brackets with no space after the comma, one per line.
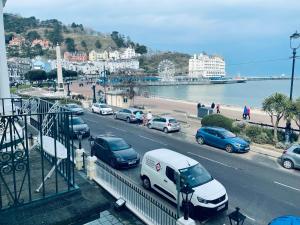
[195,175]
[228,134]
[172,121]
[77,121]
[104,106]
[118,144]
[73,106]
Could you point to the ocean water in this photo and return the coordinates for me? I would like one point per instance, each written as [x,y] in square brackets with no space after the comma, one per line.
[251,93]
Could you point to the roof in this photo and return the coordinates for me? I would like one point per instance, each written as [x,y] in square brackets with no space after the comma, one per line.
[216,128]
[177,160]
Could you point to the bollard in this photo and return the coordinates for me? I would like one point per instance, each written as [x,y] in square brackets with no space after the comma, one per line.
[79,159]
[91,167]
[182,221]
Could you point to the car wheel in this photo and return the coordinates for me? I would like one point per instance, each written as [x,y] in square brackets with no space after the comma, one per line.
[166,130]
[200,140]
[288,164]
[146,183]
[128,120]
[101,113]
[115,116]
[149,125]
[229,148]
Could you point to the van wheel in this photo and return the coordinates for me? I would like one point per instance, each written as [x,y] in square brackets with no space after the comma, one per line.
[146,183]
[288,164]
[228,148]
[128,120]
[200,140]
[149,126]
[166,130]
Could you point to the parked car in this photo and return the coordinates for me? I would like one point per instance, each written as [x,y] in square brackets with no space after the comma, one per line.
[102,109]
[165,123]
[114,151]
[79,127]
[162,169]
[285,220]
[129,115]
[74,108]
[221,138]
[291,157]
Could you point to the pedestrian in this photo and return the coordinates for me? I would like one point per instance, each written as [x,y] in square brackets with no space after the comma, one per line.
[213,105]
[245,112]
[149,117]
[218,108]
[138,116]
[248,112]
[199,105]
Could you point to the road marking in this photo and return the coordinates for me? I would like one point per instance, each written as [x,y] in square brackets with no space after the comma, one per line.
[118,129]
[223,164]
[284,185]
[150,139]
[250,218]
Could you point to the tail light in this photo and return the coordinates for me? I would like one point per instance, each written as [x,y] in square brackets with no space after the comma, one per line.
[284,152]
[132,116]
[169,125]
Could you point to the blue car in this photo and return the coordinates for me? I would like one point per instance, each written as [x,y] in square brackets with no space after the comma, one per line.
[286,220]
[221,138]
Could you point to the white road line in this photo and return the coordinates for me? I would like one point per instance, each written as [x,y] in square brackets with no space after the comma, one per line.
[284,185]
[118,129]
[150,139]
[223,164]
[250,218]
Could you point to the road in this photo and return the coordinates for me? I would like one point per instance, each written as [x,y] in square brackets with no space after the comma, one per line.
[261,190]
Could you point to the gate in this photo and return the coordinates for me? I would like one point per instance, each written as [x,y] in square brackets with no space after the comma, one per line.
[141,202]
[29,169]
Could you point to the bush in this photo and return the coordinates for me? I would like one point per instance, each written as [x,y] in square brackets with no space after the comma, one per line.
[259,135]
[217,120]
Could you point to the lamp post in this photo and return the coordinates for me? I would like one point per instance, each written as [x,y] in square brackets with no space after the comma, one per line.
[54,84]
[236,218]
[68,86]
[187,194]
[94,93]
[294,47]
[103,75]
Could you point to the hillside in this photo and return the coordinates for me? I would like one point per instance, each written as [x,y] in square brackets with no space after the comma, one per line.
[74,37]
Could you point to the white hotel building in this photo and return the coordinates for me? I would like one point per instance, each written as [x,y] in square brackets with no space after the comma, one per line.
[203,65]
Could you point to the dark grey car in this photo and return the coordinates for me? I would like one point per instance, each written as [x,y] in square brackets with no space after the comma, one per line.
[130,115]
[74,108]
[291,157]
[79,127]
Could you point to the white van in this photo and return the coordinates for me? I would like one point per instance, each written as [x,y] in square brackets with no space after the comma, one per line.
[160,168]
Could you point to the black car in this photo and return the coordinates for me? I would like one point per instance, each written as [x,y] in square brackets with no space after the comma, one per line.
[114,151]
[78,126]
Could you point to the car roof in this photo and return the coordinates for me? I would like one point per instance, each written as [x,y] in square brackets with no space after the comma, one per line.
[177,160]
[72,104]
[135,109]
[109,138]
[216,128]
[167,117]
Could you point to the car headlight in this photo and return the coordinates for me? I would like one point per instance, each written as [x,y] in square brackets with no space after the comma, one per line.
[238,145]
[201,200]
[119,159]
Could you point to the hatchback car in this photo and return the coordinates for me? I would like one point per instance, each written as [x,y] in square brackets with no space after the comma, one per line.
[291,157]
[78,126]
[74,108]
[221,138]
[114,151]
[130,115]
[285,220]
[165,123]
[102,109]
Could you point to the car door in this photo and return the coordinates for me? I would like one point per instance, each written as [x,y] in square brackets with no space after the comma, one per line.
[296,157]
[219,139]
[162,123]
[155,123]
[99,148]
[107,154]
[209,136]
[121,114]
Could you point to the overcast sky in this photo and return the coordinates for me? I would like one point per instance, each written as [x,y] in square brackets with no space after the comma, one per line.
[242,31]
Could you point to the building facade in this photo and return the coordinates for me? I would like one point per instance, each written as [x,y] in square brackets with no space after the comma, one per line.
[206,66]
[76,56]
[127,53]
[18,67]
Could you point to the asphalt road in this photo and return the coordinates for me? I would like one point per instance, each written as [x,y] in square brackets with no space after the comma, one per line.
[262,191]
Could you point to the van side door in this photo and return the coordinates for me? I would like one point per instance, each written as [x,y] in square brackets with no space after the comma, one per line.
[170,183]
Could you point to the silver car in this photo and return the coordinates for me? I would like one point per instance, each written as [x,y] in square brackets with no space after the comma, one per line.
[165,123]
[102,109]
[130,115]
[291,157]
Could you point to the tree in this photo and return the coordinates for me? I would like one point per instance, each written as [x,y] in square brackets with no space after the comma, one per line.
[295,111]
[84,45]
[141,49]
[118,39]
[32,35]
[66,73]
[276,107]
[98,44]
[36,51]
[36,75]
[55,36]
[70,44]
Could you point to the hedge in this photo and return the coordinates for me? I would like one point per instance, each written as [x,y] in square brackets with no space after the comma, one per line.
[217,120]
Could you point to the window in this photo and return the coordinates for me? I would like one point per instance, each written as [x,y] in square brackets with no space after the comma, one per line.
[297,151]
[125,100]
[127,111]
[170,173]
[163,120]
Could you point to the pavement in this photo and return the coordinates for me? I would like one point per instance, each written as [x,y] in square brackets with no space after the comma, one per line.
[255,182]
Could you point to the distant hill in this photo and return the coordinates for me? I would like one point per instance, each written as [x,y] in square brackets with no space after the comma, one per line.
[73,37]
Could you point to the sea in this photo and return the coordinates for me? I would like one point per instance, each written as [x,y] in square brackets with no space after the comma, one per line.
[251,93]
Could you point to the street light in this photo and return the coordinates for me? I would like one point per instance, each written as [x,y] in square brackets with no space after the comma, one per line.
[236,218]
[68,85]
[94,93]
[187,194]
[294,46]
[103,75]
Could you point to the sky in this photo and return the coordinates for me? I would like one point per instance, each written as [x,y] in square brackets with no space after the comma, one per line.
[252,35]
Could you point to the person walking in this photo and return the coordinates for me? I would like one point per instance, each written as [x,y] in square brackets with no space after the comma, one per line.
[248,112]
[218,108]
[138,117]
[213,105]
[245,112]
[149,117]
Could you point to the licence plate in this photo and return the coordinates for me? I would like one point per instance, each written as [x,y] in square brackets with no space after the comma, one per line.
[248,148]
[221,207]
[131,162]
